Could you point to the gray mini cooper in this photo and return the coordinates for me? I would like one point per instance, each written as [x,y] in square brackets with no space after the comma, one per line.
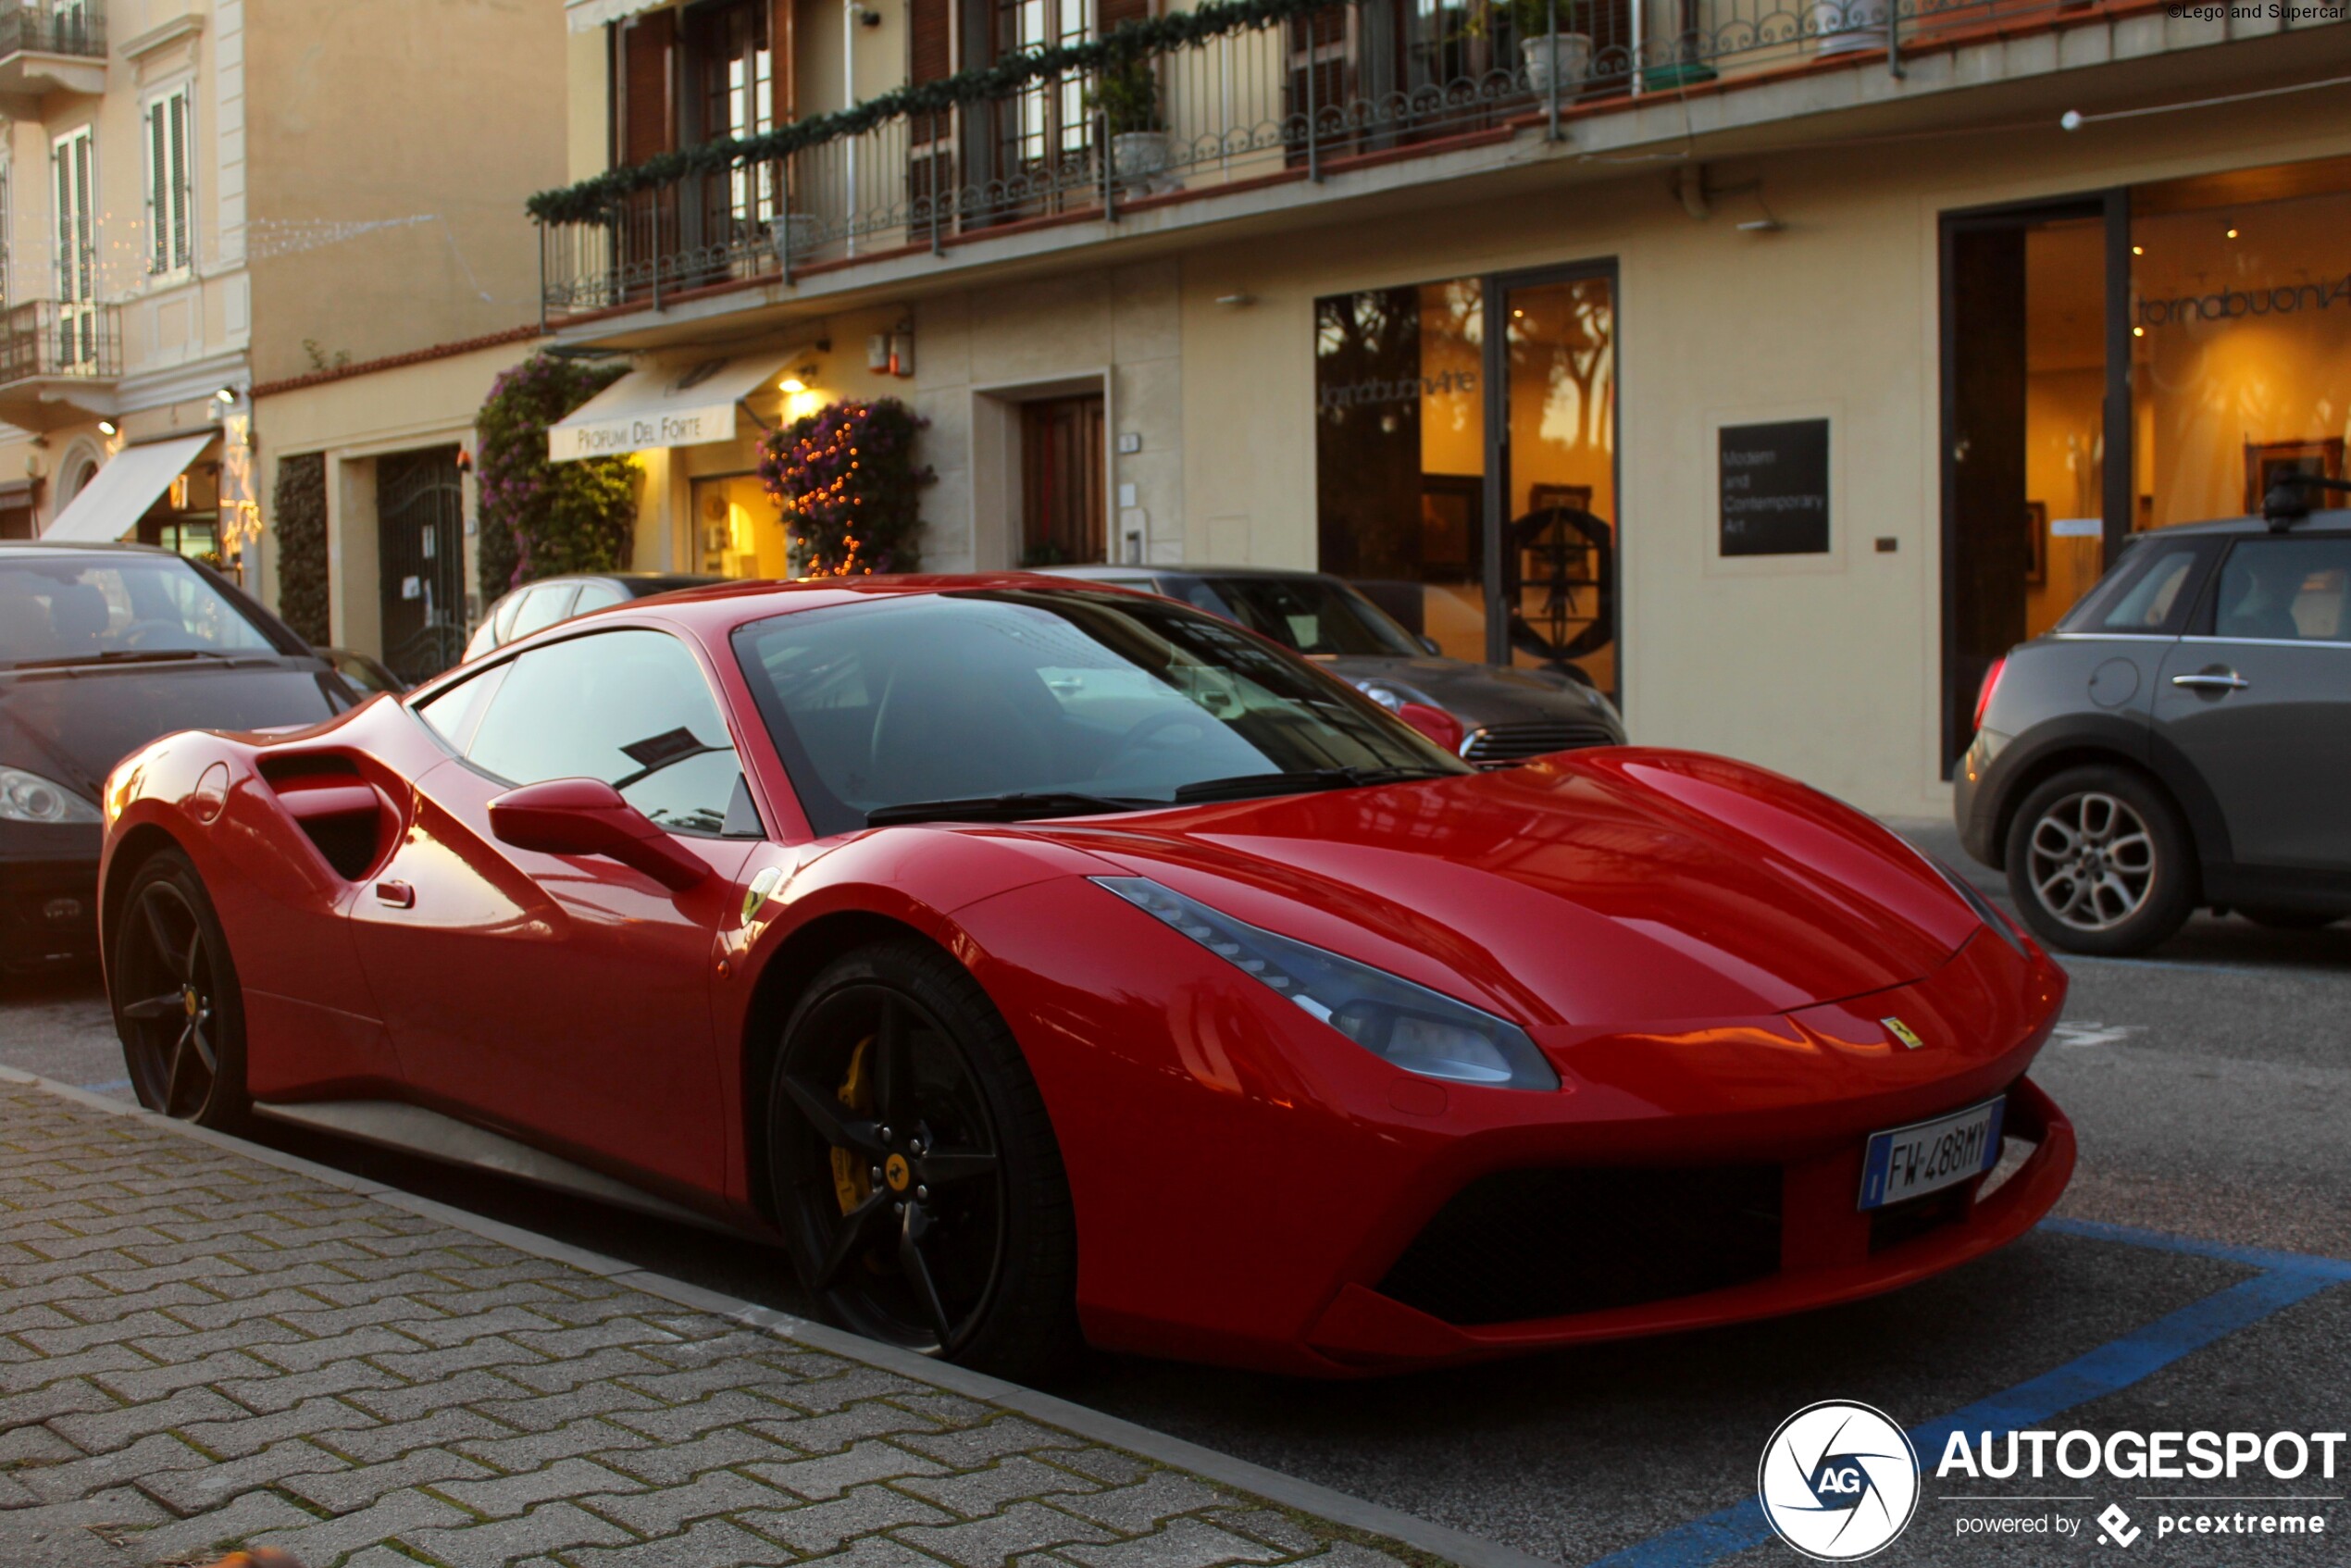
[2180,740]
[1505,716]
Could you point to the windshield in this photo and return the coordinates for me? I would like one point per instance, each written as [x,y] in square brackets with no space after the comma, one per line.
[81,608]
[1313,615]
[1122,700]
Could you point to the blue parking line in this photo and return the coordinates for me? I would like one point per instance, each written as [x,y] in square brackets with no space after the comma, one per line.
[2286,1278]
[101,1089]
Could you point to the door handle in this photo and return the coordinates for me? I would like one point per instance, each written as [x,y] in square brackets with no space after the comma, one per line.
[2212,681]
[399,895]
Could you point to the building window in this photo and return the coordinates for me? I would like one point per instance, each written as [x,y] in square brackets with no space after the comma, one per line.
[736,72]
[170,224]
[1045,121]
[73,169]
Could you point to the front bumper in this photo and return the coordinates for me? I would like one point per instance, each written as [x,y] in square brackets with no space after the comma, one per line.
[1828,1252]
[48,893]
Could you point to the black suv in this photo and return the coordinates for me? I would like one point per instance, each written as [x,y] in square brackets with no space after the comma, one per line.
[2182,739]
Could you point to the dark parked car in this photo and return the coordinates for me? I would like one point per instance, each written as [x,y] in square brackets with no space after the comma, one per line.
[2180,740]
[367,675]
[535,605]
[1503,716]
[103,648]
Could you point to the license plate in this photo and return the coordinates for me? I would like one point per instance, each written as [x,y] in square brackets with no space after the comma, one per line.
[1926,1157]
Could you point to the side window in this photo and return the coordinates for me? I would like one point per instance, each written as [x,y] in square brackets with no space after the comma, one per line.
[2285,590]
[547,604]
[595,596]
[455,713]
[629,707]
[2149,593]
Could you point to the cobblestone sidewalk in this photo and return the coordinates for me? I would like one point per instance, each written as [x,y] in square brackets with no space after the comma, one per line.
[199,1350]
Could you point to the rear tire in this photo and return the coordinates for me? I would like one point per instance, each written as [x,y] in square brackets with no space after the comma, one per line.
[178,1006]
[2099,861]
[914,1169]
[2290,919]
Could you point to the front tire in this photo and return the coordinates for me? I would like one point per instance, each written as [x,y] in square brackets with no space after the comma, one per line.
[913,1170]
[177,1005]
[2100,862]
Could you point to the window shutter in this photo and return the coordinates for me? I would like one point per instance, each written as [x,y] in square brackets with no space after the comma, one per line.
[1109,14]
[182,223]
[158,241]
[931,52]
[780,44]
[650,127]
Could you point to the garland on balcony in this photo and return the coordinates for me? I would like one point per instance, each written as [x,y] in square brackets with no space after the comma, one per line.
[299,516]
[850,488]
[540,517]
[599,197]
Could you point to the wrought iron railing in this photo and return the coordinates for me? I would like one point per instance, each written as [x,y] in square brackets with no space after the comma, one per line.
[53,27]
[1300,96]
[46,338]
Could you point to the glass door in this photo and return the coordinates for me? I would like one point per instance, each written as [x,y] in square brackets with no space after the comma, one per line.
[1551,492]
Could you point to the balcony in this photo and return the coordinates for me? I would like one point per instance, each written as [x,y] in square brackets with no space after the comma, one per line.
[58,363]
[50,46]
[1311,95]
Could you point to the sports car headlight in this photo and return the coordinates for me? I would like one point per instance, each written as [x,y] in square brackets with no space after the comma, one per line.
[27,797]
[1418,1029]
[1973,898]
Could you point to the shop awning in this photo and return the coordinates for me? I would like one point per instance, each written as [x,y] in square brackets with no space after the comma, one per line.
[586,16]
[677,402]
[111,505]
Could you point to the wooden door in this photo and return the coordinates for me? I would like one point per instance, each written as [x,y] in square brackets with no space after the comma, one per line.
[1063,504]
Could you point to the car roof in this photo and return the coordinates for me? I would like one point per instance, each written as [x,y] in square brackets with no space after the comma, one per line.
[2335,517]
[1100,571]
[81,547]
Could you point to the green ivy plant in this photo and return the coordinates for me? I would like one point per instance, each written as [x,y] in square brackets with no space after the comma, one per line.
[602,196]
[1127,96]
[850,488]
[538,517]
[298,517]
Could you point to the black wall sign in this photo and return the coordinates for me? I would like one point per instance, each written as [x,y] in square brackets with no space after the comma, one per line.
[1775,489]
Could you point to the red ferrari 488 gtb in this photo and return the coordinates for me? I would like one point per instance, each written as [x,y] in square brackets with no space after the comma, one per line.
[1046,963]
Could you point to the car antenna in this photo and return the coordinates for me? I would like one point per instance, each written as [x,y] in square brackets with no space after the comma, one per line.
[2289,499]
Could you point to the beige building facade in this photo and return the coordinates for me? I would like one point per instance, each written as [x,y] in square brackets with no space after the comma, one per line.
[1777,389]
[205,198]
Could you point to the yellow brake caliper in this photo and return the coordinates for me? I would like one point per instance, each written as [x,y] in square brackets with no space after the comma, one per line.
[851,1182]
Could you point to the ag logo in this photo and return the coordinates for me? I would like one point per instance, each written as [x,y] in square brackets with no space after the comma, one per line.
[1838,1481]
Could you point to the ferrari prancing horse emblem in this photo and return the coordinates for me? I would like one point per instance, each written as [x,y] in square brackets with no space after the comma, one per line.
[895,1171]
[1903,1033]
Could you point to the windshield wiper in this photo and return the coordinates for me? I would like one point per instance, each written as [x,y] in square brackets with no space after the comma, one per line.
[1242,786]
[1017,807]
[123,656]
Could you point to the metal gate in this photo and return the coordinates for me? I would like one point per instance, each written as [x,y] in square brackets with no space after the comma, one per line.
[420,537]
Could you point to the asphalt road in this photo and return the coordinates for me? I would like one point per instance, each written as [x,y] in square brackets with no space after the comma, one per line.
[2210,1086]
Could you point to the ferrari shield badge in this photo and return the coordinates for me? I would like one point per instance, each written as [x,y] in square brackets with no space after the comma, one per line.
[1903,1032]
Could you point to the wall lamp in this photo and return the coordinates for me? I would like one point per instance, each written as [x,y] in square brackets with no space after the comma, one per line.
[108,427]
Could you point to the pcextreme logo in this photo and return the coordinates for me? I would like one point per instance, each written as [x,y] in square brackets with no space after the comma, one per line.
[1839,1481]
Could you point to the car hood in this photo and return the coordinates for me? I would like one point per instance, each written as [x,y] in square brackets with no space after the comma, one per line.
[73,724]
[1477,695]
[1579,889]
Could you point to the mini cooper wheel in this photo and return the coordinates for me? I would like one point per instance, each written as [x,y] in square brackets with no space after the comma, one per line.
[914,1169]
[2099,862]
[176,1005]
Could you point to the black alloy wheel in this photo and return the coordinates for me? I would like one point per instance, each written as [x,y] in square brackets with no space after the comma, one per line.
[914,1169]
[176,1005]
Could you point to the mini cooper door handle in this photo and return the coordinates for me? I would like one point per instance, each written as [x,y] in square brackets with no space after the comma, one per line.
[399,895]
[2212,681]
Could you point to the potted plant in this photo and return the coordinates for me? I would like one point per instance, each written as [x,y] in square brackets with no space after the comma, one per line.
[1564,57]
[1127,95]
[795,236]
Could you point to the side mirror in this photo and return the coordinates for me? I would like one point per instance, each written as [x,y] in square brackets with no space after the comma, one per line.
[1429,644]
[588,816]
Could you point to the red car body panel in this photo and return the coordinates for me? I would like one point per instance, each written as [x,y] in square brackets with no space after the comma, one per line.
[1705,952]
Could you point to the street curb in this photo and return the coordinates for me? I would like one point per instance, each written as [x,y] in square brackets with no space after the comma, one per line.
[1456,1547]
